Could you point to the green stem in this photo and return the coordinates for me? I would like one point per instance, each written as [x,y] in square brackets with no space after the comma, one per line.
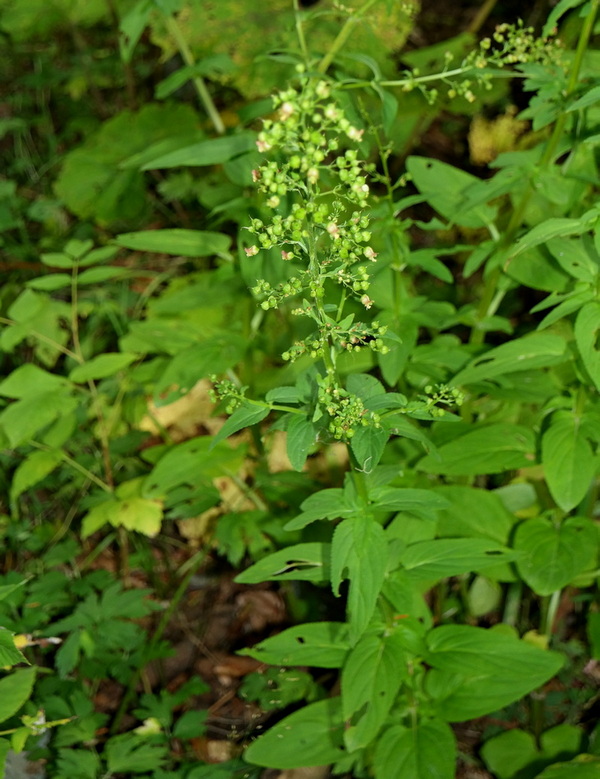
[189,59]
[343,36]
[192,566]
[300,31]
[551,605]
[76,466]
[44,338]
[512,605]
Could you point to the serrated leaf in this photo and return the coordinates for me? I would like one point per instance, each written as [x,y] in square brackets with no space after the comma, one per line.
[301,435]
[371,678]
[551,557]
[308,562]
[131,754]
[312,736]
[487,449]
[33,469]
[244,416]
[317,644]
[476,671]
[9,654]
[587,326]
[425,751]
[368,444]
[533,351]
[359,552]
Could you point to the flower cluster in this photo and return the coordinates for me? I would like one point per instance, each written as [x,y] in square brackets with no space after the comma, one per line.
[510,44]
[228,391]
[318,192]
[345,410]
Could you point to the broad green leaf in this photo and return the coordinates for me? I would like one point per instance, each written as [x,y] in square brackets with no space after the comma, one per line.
[245,416]
[424,503]
[476,671]
[317,644]
[29,380]
[573,258]
[7,589]
[587,326]
[324,504]
[308,562]
[359,552]
[133,513]
[184,243]
[312,736]
[301,435]
[486,449]
[590,98]
[473,512]
[583,767]
[33,469]
[24,418]
[50,282]
[557,227]
[371,678]
[91,182]
[445,187]
[533,351]
[444,557]
[555,14]
[190,462]
[509,753]
[212,152]
[425,751]
[101,366]
[15,690]
[9,654]
[551,556]
[368,444]
[101,274]
[568,460]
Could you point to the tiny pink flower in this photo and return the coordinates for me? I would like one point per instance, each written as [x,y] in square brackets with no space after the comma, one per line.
[262,145]
[287,255]
[255,176]
[286,110]
[251,251]
[370,254]
[366,301]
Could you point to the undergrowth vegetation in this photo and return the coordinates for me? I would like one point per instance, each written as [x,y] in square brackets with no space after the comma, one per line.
[254,326]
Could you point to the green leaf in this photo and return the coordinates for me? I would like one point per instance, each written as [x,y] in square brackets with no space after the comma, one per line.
[9,654]
[184,243]
[476,671]
[212,152]
[451,556]
[133,513]
[132,26]
[473,512]
[100,275]
[15,691]
[511,752]
[572,257]
[583,767]
[368,444]
[445,188]
[587,326]
[244,416]
[301,435]
[312,736]
[189,462]
[425,751]
[33,469]
[551,557]
[533,351]
[485,450]
[557,227]
[4,750]
[190,724]
[371,678]
[101,366]
[359,552]
[555,14]
[131,754]
[568,460]
[318,644]
[29,380]
[78,763]
[50,283]
[24,418]
[308,562]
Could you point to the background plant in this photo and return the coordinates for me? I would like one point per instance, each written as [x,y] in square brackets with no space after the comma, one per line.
[439,514]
